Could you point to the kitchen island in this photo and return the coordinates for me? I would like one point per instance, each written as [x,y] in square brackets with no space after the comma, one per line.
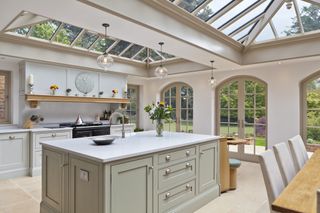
[141,173]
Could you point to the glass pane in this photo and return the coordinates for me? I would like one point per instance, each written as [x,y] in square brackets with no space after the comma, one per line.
[45,30]
[243,33]
[260,101]
[190,127]
[223,115]
[265,34]
[233,130]
[223,101]
[249,131]
[233,101]
[86,40]
[183,102]
[67,34]
[167,55]
[142,55]
[118,48]
[167,93]
[190,103]
[190,5]
[260,88]
[173,91]
[313,135]
[134,49]
[167,101]
[224,129]
[249,116]
[249,134]
[190,91]
[173,102]
[183,126]
[260,114]
[190,114]
[183,114]
[21,30]
[3,98]
[155,55]
[231,13]
[284,21]
[213,7]
[233,116]
[249,102]
[309,16]
[234,88]
[244,19]
[260,139]
[102,45]
[184,91]
[249,87]
[313,118]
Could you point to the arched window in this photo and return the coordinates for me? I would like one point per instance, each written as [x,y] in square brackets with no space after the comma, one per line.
[180,97]
[311,110]
[242,113]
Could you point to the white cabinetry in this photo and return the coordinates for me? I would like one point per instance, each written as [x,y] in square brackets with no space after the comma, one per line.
[35,147]
[14,154]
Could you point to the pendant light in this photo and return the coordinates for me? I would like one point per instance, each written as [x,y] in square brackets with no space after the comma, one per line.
[105,60]
[212,79]
[161,71]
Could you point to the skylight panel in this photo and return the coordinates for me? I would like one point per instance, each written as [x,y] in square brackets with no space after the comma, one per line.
[86,39]
[265,34]
[213,7]
[167,55]
[102,45]
[118,48]
[133,50]
[21,31]
[243,33]
[310,15]
[154,56]
[190,5]
[246,18]
[142,55]
[67,34]
[285,22]
[243,5]
[45,30]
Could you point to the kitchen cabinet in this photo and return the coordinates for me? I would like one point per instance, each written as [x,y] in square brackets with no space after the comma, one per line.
[208,166]
[35,147]
[132,185]
[14,155]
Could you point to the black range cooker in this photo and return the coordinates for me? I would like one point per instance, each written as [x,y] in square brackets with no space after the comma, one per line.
[87,129]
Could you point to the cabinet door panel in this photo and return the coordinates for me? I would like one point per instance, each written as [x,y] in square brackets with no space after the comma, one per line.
[208,166]
[132,187]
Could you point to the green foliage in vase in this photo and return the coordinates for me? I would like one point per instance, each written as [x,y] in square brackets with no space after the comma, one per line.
[159,111]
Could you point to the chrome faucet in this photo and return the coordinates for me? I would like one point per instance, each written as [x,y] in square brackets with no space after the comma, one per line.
[123,133]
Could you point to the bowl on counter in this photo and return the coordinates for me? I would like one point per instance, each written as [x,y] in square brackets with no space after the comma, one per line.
[103,140]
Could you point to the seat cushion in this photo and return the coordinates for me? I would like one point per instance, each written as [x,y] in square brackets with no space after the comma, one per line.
[234,163]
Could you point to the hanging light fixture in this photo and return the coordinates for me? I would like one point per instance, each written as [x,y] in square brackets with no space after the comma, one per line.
[161,71]
[105,60]
[212,79]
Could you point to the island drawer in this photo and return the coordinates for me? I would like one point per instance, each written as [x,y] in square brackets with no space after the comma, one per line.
[171,175]
[178,195]
[177,155]
[39,137]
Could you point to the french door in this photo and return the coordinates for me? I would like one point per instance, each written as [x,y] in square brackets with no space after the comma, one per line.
[242,114]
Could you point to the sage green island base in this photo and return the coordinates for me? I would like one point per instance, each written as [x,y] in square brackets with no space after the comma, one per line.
[139,174]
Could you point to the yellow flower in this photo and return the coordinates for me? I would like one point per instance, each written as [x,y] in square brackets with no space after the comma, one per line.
[161,103]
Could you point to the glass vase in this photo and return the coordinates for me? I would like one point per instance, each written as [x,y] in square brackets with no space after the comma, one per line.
[159,127]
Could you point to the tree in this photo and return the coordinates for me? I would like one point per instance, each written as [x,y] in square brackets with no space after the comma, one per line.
[310,18]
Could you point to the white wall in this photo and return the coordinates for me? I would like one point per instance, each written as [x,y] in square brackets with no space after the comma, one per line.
[283,96]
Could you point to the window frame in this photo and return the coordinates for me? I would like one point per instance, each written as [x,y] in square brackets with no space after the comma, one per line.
[304,108]
[7,74]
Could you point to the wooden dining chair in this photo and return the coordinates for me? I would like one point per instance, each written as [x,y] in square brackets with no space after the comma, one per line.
[271,175]
[298,151]
[285,162]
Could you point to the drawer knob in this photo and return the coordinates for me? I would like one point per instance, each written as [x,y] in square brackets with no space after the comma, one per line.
[150,167]
[64,165]
[168,171]
[12,137]
[167,196]
[188,186]
[188,153]
[168,157]
[54,135]
[188,165]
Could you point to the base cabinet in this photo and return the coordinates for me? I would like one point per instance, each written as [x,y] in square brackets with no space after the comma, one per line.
[14,155]
[179,180]
[132,187]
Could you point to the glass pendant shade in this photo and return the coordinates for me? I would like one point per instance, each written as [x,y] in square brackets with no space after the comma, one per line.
[212,81]
[105,61]
[161,71]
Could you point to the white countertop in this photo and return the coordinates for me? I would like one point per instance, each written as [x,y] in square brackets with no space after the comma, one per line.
[135,145]
[21,130]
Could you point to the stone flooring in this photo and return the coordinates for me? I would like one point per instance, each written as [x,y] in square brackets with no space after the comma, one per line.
[23,195]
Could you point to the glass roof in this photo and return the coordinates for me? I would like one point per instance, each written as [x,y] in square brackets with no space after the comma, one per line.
[237,19]
[68,35]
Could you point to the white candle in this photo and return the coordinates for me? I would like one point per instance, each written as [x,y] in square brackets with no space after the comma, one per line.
[30,79]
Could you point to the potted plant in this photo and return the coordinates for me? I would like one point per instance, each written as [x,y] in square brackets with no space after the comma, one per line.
[53,89]
[159,112]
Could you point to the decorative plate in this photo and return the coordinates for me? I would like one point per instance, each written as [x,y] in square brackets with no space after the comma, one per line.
[84,83]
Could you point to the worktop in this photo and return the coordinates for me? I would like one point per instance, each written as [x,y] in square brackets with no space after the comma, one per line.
[178,172]
[40,129]
[135,144]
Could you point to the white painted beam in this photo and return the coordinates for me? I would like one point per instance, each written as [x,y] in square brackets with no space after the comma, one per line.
[274,7]
[24,19]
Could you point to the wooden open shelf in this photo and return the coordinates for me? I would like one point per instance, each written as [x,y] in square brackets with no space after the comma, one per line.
[34,100]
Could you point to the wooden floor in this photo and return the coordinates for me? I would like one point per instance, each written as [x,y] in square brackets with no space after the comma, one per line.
[22,195]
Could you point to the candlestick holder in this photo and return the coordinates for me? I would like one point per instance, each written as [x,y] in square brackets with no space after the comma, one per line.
[31,88]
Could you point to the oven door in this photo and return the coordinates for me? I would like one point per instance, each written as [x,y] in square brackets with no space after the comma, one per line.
[101,131]
[80,133]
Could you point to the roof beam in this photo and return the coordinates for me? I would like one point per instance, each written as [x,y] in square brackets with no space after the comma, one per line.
[273,8]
